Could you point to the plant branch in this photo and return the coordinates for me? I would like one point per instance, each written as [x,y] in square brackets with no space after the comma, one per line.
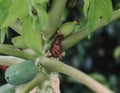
[54,18]
[57,66]
[25,88]
[13,51]
[9,60]
[82,33]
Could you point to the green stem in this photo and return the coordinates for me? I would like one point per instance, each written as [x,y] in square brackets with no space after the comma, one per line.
[82,33]
[9,60]
[74,39]
[57,66]
[25,88]
[54,18]
[13,51]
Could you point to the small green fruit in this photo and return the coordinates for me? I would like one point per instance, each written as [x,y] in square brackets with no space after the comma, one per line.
[7,88]
[20,73]
[67,28]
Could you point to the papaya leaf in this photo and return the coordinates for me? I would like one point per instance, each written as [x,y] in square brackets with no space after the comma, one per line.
[4,7]
[40,6]
[17,9]
[2,35]
[41,2]
[32,25]
[43,17]
[19,42]
[86,6]
[97,9]
[31,34]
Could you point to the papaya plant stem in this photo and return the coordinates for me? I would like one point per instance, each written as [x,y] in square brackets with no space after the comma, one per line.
[54,18]
[25,88]
[9,60]
[57,66]
[82,33]
[13,51]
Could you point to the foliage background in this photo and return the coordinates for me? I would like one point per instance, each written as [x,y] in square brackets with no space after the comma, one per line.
[95,56]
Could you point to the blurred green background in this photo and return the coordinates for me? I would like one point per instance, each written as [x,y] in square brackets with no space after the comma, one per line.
[98,56]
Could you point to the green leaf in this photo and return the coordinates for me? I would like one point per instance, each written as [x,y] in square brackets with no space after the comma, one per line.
[41,2]
[2,35]
[17,9]
[19,42]
[97,9]
[40,7]
[31,34]
[43,17]
[4,7]
[86,6]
